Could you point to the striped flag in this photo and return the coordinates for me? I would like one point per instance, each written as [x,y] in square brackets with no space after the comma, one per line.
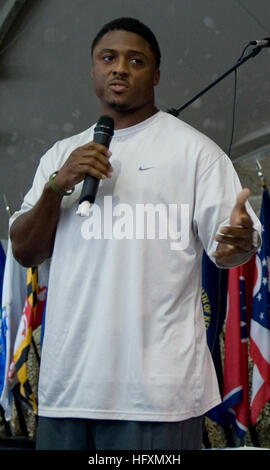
[31,318]
[2,269]
[2,323]
[260,322]
[235,389]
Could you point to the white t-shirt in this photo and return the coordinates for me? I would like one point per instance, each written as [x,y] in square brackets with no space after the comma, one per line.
[125,335]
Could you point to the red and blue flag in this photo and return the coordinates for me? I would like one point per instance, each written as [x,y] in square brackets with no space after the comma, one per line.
[236,385]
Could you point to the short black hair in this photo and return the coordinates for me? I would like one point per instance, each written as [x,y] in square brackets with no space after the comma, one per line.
[134,26]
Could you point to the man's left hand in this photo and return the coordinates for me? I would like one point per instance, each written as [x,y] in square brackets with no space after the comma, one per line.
[237,237]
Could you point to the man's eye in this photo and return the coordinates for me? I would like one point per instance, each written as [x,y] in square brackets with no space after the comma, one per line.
[107,58]
[134,60]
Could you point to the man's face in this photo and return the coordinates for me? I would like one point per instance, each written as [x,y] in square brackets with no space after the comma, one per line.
[124,72]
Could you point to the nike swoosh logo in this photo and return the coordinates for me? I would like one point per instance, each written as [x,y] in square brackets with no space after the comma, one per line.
[149,168]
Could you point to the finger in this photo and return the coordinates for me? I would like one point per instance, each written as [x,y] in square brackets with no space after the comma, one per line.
[95,158]
[241,232]
[96,172]
[239,215]
[226,252]
[96,166]
[99,147]
[242,243]
[242,198]
[244,220]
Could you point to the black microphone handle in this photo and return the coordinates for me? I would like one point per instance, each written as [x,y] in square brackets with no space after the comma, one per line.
[89,189]
[91,183]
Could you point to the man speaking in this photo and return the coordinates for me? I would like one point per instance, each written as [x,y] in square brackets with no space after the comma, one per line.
[125,362]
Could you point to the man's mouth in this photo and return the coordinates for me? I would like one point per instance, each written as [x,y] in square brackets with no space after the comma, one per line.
[118,86]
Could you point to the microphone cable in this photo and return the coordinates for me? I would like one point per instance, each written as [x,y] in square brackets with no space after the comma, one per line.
[234,98]
[233,113]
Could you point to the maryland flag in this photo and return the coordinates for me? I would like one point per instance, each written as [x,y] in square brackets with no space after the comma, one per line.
[31,318]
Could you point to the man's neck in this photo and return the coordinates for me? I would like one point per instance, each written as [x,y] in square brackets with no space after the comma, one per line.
[124,119]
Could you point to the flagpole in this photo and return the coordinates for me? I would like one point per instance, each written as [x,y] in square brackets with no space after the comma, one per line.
[261,175]
[7,206]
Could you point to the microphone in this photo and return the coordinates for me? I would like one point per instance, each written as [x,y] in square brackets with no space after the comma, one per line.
[261,42]
[103,133]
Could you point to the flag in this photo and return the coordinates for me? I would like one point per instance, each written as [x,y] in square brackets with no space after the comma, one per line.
[214,301]
[13,297]
[235,387]
[260,322]
[16,319]
[31,319]
[2,325]
[2,269]
[43,326]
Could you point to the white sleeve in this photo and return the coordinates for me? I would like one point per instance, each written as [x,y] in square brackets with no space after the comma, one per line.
[217,189]
[51,161]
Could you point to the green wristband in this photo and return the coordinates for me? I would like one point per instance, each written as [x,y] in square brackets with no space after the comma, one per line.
[56,188]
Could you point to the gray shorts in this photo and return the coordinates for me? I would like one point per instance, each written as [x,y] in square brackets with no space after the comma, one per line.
[91,434]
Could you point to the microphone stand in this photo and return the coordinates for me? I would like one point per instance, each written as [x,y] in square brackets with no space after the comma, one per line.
[241,61]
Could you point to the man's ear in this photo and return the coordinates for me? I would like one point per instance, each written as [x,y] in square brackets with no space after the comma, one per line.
[156,77]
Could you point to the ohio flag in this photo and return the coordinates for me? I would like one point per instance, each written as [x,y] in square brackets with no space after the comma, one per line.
[260,322]
[235,388]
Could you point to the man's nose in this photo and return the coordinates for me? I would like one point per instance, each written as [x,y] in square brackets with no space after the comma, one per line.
[120,67]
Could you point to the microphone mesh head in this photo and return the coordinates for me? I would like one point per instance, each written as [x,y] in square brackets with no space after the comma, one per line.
[106,122]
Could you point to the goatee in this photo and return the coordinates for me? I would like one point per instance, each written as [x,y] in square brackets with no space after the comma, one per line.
[118,106]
